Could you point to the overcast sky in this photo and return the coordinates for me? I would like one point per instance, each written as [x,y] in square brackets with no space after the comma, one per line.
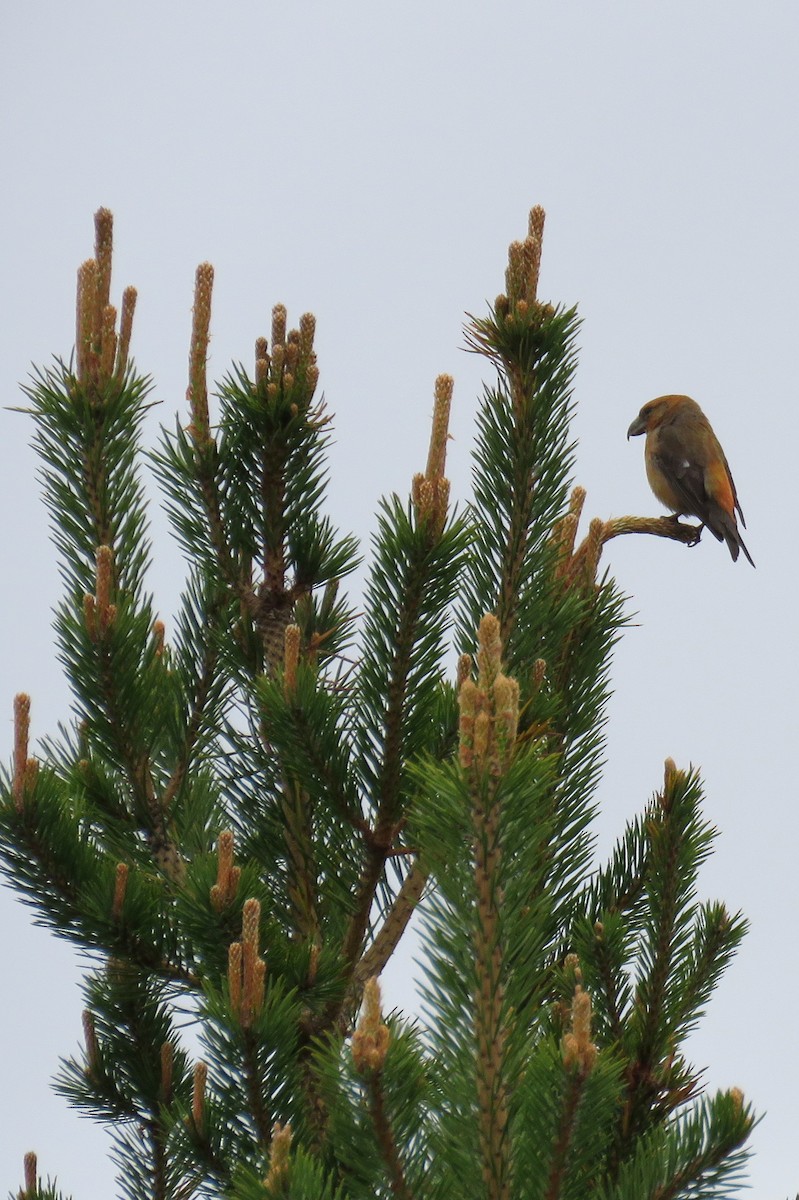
[371,162]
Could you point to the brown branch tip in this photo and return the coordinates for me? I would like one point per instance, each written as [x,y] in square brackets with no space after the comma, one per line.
[580,566]
[246,969]
[578,1049]
[489,708]
[198,1093]
[31,1170]
[430,491]
[278,1156]
[371,1037]
[524,265]
[101,354]
[198,353]
[22,724]
[224,890]
[120,888]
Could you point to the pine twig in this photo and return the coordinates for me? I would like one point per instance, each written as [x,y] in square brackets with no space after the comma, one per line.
[394,925]
[665,527]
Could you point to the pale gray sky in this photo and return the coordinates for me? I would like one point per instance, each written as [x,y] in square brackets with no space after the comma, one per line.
[371,162]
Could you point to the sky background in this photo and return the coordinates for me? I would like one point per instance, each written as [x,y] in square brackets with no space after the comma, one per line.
[371,163]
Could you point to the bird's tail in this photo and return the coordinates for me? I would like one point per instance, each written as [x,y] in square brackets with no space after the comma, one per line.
[726,527]
[742,544]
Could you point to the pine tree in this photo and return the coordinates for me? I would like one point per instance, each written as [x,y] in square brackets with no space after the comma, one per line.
[241,816]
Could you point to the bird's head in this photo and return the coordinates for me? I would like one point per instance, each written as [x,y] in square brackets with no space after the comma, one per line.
[655,412]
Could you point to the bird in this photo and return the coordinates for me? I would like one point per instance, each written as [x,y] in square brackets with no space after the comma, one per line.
[687,468]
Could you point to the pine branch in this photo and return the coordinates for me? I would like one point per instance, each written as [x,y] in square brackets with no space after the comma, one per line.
[386,1139]
[395,923]
[388,782]
[700,1154]
[667,527]
[565,1132]
[134,759]
[204,691]
[302,871]
[253,1089]
[489,722]
[417,556]
[370,1045]
[337,790]
[490,1021]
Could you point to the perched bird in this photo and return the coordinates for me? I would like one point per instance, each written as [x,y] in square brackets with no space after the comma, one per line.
[687,469]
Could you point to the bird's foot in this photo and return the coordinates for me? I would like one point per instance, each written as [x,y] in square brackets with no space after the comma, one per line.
[694,530]
[697,535]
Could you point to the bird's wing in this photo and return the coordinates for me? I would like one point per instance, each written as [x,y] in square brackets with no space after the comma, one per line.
[685,474]
[733,489]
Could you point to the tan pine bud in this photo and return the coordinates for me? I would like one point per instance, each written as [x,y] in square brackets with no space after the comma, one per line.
[371,1038]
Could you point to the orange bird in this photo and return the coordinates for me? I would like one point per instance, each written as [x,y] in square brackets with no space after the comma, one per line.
[687,469]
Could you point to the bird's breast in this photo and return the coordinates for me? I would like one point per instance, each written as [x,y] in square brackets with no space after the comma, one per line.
[659,483]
